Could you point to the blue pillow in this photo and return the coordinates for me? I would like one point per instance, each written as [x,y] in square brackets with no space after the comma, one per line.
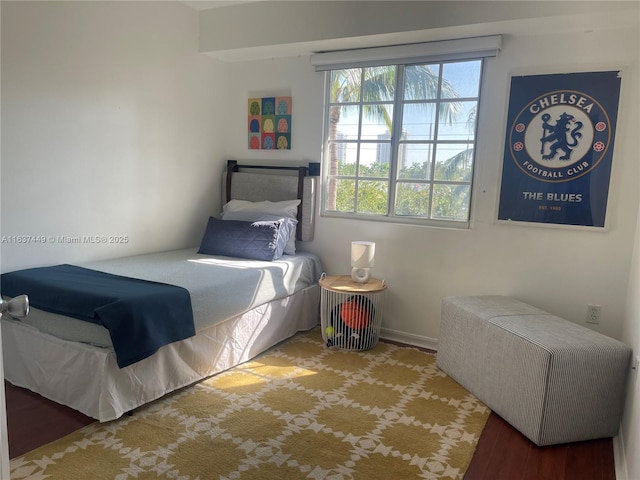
[254,240]
[289,224]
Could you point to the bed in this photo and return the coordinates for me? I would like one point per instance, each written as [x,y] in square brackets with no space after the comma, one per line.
[241,303]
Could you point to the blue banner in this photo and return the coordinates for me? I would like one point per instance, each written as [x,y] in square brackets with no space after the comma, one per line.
[558,148]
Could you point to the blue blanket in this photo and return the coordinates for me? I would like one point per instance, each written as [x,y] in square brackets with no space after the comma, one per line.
[141,316]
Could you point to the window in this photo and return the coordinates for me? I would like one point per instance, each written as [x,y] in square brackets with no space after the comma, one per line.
[400,130]
[400,140]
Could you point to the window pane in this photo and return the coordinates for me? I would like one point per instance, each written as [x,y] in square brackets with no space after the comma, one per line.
[414,161]
[419,121]
[346,118]
[345,85]
[454,162]
[463,77]
[412,199]
[462,126]
[346,154]
[377,122]
[375,159]
[372,197]
[451,202]
[421,82]
[379,84]
[345,195]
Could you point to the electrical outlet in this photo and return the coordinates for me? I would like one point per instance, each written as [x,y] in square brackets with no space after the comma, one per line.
[593,313]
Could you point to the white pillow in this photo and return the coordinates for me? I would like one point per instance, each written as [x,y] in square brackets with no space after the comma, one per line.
[259,211]
[288,208]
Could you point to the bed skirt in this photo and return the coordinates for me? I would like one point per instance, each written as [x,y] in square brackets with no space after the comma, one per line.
[88,379]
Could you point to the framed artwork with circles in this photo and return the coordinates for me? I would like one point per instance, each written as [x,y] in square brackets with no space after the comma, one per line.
[269,123]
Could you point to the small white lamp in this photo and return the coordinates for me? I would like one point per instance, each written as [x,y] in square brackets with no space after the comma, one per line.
[362,257]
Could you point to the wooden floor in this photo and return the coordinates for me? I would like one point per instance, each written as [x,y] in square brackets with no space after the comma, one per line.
[33,420]
[502,452]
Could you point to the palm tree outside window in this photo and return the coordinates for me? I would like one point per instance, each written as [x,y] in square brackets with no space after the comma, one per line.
[400,141]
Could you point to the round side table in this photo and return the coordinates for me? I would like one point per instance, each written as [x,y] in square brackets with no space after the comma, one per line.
[351,312]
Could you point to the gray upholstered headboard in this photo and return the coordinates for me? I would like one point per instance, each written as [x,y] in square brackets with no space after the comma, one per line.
[275,183]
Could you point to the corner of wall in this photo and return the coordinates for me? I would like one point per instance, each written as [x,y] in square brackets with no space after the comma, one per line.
[619,457]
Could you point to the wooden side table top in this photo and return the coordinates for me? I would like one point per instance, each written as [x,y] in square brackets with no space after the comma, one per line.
[345,284]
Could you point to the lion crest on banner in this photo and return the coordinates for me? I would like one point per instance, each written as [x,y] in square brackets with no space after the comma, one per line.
[563,135]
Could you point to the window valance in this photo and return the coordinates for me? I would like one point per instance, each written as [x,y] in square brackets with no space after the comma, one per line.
[459,49]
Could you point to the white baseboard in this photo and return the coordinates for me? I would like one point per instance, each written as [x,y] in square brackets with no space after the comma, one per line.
[409,339]
[619,458]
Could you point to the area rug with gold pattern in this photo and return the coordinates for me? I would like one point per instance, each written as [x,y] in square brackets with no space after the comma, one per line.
[298,411]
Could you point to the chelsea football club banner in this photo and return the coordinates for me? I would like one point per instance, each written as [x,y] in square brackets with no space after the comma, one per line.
[558,148]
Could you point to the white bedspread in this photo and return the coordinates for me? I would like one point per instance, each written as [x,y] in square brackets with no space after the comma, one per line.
[220,287]
[87,378]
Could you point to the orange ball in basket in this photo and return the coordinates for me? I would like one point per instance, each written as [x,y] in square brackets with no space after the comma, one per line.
[355,315]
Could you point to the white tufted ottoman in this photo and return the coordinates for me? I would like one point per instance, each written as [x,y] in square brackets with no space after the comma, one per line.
[551,379]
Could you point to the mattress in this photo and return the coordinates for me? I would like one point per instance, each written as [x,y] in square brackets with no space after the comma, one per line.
[220,287]
[241,308]
[88,379]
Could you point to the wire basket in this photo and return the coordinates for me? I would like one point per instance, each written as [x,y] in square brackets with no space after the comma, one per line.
[351,313]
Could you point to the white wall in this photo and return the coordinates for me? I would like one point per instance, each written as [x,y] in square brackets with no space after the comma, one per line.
[629,437]
[561,270]
[276,28]
[113,124]
[558,269]
[111,120]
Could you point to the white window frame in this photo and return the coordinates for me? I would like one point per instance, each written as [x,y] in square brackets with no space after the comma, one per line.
[400,56]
